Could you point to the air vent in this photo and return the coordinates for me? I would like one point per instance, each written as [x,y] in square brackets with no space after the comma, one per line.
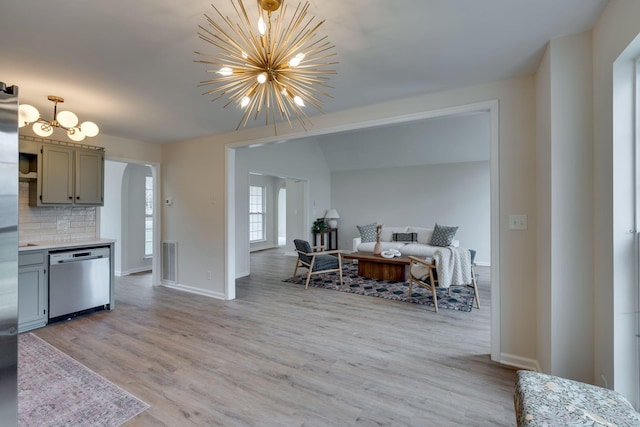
[169,261]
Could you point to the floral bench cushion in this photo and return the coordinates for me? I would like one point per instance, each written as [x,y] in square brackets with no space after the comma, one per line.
[546,400]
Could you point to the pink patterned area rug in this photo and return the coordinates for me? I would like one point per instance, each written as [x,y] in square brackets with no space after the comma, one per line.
[56,390]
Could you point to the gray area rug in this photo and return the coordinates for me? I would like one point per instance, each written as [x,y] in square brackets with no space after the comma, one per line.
[56,390]
[458,298]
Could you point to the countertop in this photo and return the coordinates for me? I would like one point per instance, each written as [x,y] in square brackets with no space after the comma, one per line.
[39,246]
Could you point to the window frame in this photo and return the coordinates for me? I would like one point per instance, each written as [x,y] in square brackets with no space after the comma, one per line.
[258,234]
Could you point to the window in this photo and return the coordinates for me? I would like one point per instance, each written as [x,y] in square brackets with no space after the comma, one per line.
[148,216]
[256,213]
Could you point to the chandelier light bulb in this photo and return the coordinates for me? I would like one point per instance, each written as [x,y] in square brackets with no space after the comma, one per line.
[28,114]
[75,134]
[296,60]
[225,71]
[42,129]
[67,119]
[90,129]
[298,101]
[262,77]
[245,101]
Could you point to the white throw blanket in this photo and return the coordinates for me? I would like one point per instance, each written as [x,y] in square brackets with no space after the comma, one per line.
[453,266]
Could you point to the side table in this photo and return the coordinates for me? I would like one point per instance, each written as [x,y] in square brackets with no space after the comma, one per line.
[332,238]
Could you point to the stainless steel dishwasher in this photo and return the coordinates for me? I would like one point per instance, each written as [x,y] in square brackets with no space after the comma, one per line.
[79,280]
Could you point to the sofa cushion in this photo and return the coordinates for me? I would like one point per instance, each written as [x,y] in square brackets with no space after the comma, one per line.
[386,233]
[404,237]
[418,249]
[368,246]
[424,234]
[367,232]
[443,235]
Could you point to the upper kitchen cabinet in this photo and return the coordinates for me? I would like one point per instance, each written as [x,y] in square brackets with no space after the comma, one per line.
[56,176]
[89,179]
[67,175]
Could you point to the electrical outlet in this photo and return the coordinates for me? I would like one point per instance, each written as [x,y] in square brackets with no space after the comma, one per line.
[518,222]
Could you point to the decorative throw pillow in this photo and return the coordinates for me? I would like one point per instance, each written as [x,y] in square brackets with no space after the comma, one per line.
[405,237]
[367,232]
[443,235]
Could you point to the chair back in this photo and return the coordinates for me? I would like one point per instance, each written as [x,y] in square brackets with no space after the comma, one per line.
[303,247]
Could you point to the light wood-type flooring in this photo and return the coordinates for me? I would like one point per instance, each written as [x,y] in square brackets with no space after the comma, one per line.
[282,356]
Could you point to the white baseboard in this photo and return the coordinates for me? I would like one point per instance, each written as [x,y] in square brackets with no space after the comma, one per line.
[519,362]
[132,271]
[242,274]
[192,290]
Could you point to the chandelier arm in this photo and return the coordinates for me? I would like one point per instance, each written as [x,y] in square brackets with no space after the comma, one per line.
[297,32]
[231,87]
[227,43]
[292,37]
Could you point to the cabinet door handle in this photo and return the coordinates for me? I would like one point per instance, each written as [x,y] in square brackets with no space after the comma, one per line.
[78,197]
[70,198]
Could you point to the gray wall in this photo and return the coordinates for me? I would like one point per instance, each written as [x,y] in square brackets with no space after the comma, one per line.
[450,194]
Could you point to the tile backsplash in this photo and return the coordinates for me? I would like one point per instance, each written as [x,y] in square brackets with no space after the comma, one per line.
[54,224]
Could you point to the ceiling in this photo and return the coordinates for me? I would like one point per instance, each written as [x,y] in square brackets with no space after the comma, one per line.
[128,65]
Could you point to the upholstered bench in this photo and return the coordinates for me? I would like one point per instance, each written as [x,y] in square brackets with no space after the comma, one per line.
[546,400]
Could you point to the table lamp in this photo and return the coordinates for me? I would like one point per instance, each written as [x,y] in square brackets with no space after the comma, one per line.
[332,216]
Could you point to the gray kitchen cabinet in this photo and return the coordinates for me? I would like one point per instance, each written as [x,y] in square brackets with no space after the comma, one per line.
[89,186]
[56,175]
[32,290]
[68,175]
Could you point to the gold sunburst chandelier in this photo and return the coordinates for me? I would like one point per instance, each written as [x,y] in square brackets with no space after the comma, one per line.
[271,65]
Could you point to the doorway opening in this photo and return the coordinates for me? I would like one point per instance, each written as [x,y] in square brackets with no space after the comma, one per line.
[129,216]
[234,182]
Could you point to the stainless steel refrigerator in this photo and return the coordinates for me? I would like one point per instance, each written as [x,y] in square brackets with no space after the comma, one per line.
[8,255]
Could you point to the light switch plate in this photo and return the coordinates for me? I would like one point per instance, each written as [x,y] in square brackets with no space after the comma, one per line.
[518,222]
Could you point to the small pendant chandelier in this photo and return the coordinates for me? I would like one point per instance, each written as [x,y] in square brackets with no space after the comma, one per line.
[64,119]
[271,65]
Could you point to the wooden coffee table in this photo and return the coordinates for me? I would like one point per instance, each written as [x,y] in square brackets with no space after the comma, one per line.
[378,267]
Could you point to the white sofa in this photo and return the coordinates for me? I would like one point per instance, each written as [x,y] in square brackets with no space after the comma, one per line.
[421,248]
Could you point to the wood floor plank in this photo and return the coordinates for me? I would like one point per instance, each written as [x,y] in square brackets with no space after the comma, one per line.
[280,355]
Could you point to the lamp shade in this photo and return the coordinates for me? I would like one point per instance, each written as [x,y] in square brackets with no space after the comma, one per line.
[28,114]
[332,213]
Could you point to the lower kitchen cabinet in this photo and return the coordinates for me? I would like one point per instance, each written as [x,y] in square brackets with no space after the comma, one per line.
[32,290]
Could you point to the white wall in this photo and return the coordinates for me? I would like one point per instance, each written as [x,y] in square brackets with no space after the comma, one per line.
[456,194]
[565,199]
[111,212]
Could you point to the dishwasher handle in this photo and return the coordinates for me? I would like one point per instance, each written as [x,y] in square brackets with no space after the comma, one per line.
[86,258]
[78,255]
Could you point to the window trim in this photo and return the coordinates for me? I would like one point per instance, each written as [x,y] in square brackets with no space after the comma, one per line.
[262,213]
